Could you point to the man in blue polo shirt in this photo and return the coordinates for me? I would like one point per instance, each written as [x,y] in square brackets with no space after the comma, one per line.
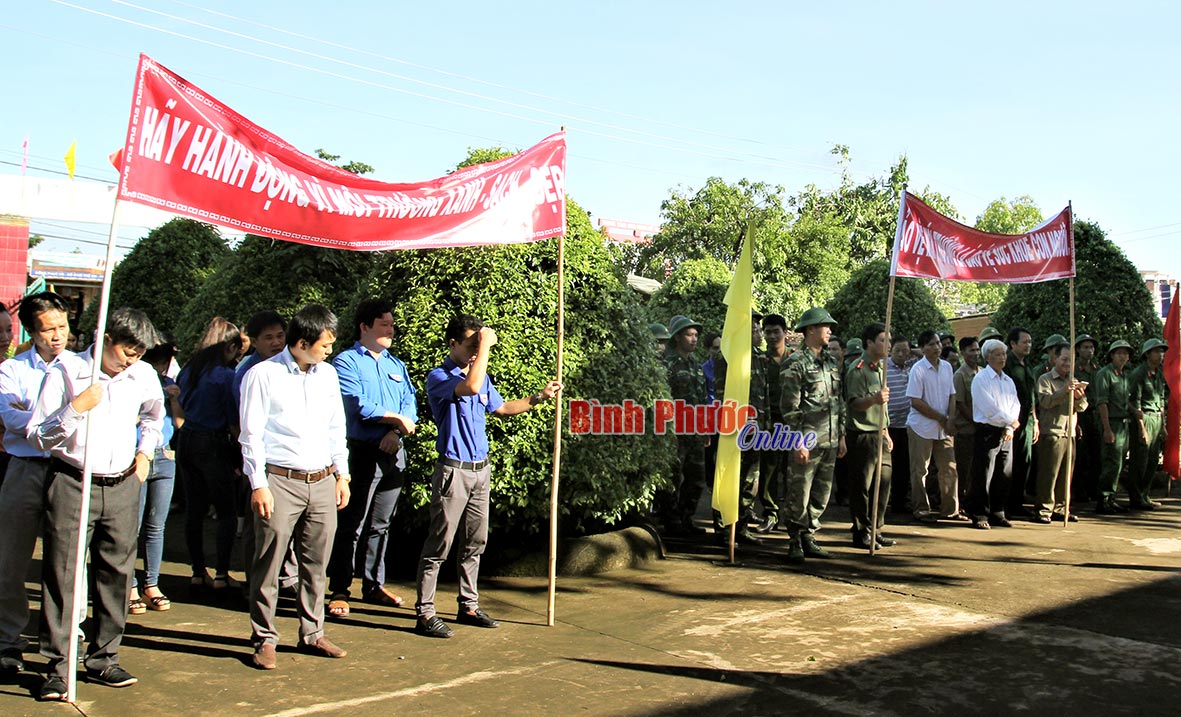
[461,397]
[379,410]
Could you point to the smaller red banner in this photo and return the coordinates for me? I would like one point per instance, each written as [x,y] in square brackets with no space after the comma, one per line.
[930,245]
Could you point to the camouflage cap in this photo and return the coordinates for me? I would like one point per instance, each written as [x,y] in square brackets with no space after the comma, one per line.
[659,331]
[680,323]
[1153,344]
[1119,344]
[1054,341]
[815,316]
[990,333]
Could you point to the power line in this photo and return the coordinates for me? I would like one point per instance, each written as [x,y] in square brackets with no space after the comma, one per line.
[57,171]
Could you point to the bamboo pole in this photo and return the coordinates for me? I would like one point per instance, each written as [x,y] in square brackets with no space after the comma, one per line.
[552,588]
[1073,423]
[877,473]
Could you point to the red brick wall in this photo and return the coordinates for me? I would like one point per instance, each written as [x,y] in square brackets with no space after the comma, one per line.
[14,258]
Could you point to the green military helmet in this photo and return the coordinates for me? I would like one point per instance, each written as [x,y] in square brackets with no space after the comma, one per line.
[1153,344]
[680,323]
[854,347]
[1054,341]
[659,331]
[815,316]
[1086,337]
[1119,344]
[946,335]
[990,333]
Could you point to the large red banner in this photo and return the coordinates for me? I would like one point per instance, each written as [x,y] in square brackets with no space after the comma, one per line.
[189,154]
[1172,457]
[932,246]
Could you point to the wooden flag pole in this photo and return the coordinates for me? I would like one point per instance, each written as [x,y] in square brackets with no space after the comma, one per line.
[557,469]
[1070,414]
[78,593]
[733,531]
[877,473]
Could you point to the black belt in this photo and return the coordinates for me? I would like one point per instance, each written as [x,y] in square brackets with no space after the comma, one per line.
[106,480]
[40,460]
[465,465]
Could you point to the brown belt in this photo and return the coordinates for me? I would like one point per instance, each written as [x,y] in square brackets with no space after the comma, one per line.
[305,476]
[106,480]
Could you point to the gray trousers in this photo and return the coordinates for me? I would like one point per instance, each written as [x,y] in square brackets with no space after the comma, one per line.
[111,533]
[305,514]
[459,497]
[22,503]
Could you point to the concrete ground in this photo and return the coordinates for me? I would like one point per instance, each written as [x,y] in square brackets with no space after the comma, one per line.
[1034,619]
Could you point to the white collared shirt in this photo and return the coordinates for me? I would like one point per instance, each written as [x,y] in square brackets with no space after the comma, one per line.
[290,418]
[994,398]
[935,386]
[20,382]
[131,398]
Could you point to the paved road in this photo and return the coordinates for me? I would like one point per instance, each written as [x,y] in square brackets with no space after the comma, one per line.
[951,620]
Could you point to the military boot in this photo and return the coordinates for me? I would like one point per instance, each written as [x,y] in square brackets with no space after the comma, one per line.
[795,552]
[812,549]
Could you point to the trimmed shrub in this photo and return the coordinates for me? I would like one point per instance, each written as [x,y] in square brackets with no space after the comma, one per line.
[862,301]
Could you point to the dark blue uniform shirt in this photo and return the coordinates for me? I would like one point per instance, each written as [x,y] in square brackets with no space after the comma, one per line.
[462,420]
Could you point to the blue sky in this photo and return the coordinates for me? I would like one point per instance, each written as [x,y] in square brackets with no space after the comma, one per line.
[1062,101]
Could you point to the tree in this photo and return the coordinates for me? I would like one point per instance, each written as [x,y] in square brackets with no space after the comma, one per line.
[608,356]
[862,301]
[1111,300]
[353,166]
[1015,217]
[170,264]
[35,239]
[696,289]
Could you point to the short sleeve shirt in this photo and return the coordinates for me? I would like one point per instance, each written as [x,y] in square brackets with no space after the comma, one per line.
[462,420]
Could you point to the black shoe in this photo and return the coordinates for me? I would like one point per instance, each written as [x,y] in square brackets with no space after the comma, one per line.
[1104,508]
[113,676]
[884,542]
[479,618]
[812,549]
[12,661]
[432,627]
[767,525]
[52,690]
[795,553]
[1116,508]
[861,540]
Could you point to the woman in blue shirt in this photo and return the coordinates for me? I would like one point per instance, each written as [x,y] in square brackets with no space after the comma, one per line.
[206,453]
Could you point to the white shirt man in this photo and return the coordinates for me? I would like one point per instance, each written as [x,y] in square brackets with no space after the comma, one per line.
[929,428]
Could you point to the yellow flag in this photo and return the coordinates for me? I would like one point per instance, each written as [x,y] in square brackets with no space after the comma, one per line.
[70,155]
[736,348]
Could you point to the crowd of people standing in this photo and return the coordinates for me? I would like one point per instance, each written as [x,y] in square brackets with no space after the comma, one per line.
[305,454]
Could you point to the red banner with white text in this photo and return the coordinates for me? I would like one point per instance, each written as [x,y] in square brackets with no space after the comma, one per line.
[189,154]
[929,245]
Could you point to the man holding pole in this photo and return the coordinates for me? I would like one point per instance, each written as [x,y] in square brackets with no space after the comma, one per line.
[1058,425]
[1148,401]
[866,431]
[812,401]
[127,396]
[461,397]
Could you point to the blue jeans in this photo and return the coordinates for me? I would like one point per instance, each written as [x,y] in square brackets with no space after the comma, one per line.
[155,497]
[362,528]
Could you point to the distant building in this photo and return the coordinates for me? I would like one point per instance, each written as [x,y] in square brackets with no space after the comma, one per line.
[1162,287]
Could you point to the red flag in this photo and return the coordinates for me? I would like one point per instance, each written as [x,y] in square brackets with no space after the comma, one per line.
[932,246]
[116,159]
[1173,378]
[188,153]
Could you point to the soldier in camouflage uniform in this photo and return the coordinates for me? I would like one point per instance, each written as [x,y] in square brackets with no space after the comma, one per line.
[811,401]
[1147,400]
[686,382]
[773,468]
[1085,483]
[751,459]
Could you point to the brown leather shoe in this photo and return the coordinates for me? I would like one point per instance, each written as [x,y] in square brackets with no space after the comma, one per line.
[264,657]
[323,648]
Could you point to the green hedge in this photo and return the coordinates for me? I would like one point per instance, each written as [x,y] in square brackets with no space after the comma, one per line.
[697,289]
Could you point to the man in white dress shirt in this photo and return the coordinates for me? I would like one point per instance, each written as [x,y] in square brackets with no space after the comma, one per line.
[22,496]
[127,396]
[930,428]
[295,457]
[996,411]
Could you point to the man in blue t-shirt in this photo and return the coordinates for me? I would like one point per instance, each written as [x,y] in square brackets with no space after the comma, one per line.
[461,397]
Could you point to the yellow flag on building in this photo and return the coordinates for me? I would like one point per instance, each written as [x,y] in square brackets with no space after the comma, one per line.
[736,348]
[71,153]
